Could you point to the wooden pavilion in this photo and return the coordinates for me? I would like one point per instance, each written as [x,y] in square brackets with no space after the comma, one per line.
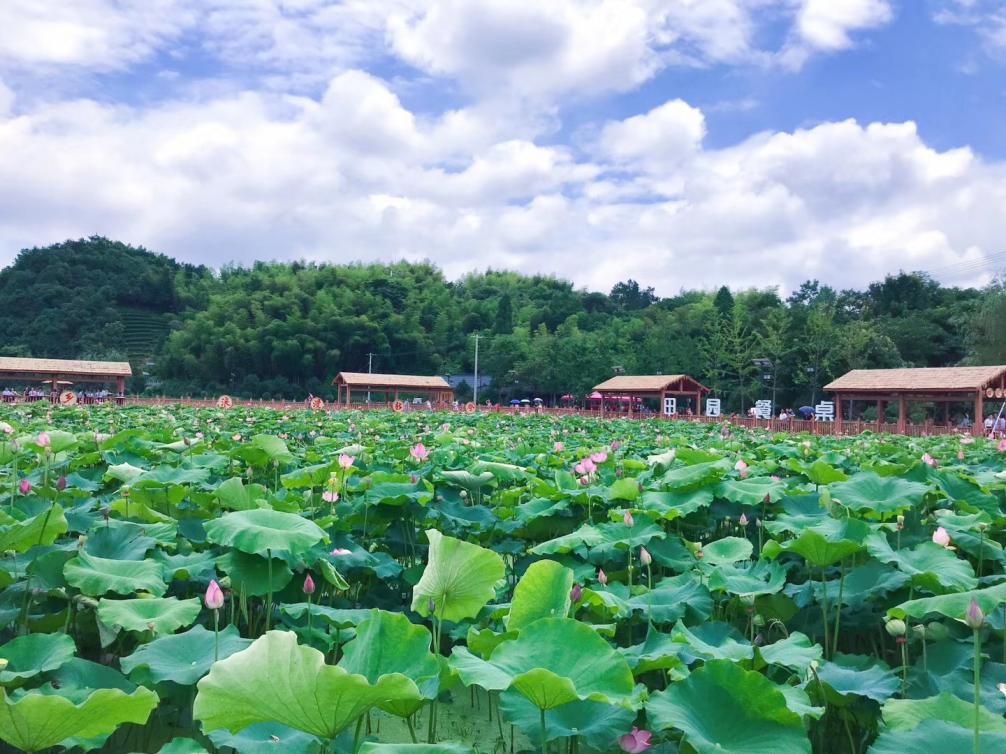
[62,370]
[946,385]
[658,386]
[391,387]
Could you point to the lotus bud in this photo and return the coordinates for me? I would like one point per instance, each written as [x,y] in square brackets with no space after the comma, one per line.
[627,518]
[602,577]
[941,537]
[743,520]
[464,494]
[214,598]
[901,523]
[308,584]
[644,556]
[575,593]
[919,631]
[43,440]
[25,487]
[974,616]
[61,483]
[896,627]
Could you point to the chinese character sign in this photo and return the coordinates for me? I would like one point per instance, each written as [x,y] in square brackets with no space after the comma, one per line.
[712,406]
[670,406]
[825,411]
[763,409]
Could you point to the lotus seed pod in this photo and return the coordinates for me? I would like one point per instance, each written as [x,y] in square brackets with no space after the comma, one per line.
[896,627]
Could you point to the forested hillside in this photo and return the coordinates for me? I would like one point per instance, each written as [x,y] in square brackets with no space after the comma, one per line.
[282,329]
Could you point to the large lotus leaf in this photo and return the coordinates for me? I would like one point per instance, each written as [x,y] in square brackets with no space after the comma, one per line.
[388,489]
[695,476]
[467,480]
[542,592]
[389,644]
[183,658]
[318,699]
[751,491]
[267,738]
[821,472]
[505,472]
[908,714]
[60,441]
[96,576]
[597,724]
[952,605]
[123,472]
[193,566]
[723,708]
[36,720]
[931,567]
[236,496]
[162,615]
[182,746]
[273,447]
[250,573]
[857,675]
[626,488]
[587,535]
[338,619]
[78,673]
[261,529]
[868,491]
[33,654]
[307,476]
[727,550]
[42,529]
[552,662]
[936,736]
[459,579]
[796,652]
[657,652]
[825,543]
[712,641]
[124,542]
[670,505]
[761,577]
[673,598]
[377,748]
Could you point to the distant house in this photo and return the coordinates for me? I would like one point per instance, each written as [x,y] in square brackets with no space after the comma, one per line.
[455,380]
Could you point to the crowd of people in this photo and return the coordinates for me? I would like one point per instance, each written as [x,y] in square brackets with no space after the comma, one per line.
[34,394]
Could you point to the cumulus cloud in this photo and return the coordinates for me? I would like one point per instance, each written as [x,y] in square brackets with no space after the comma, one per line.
[826,25]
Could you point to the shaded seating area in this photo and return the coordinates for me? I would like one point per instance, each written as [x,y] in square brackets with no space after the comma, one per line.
[626,392]
[366,387]
[56,377]
[968,389]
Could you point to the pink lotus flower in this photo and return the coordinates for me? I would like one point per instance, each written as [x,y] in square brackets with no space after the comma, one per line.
[25,486]
[340,551]
[579,469]
[974,616]
[742,468]
[214,598]
[236,438]
[419,452]
[941,537]
[600,457]
[575,593]
[928,460]
[602,577]
[346,461]
[559,447]
[1002,445]
[199,435]
[743,520]
[635,741]
[43,440]
[61,483]
[960,455]
[589,466]
[584,481]
[627,518]
[308,584]
[644,556]
[330,496]
[615,445]
[6,428]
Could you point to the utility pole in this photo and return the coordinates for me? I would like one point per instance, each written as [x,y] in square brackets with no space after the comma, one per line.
[475,388]
[370,370]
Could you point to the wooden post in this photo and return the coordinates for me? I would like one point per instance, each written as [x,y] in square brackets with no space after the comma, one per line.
[838,413]
[946,413]
[880,413]
[349,395]
[902,414]
[602,404]
[979,423]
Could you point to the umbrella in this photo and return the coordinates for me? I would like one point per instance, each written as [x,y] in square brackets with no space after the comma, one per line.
[566,397]
[538,400]
[806,410]
[515,402]
[525,400]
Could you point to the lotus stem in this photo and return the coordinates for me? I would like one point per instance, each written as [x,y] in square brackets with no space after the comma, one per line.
[976,746]
[903,643]
[838,609]
[544,741]
[981,551]
[268,610]
[412,729]
[824,613]
[216,635]
[309,616]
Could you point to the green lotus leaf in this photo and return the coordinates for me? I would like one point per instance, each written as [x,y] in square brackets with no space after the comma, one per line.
[77,673]
[695,476]
[727,550]
[796,652]
[261,530]
[388,644]
[868,491]
[908,714]
[183,658]
[821,472]
[825,543]
[339,619]
[952,605]
[305,477]
[267,738]
[712,641]
[182,746]
[34,721]
[123,472]
[626,488]
[96,576]
[124,542]
[658,651]
[931,567]
[41,529]
[162,615]
[761,577]
[552,662]
[376,748]
[597,724]
[318,699]
[250,573]
[857,675]
[505,472]
[751,491]
[936,736]
[273,447]
[466,480]
[673,598]
[587,535]
[194,566]
[459,578]
[30,655]
[234,495]
[542,592]
[670,505]
[723,708]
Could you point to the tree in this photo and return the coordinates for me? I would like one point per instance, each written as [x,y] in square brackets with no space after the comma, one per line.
[630,297]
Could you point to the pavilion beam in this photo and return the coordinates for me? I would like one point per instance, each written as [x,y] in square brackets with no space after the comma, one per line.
[902,414]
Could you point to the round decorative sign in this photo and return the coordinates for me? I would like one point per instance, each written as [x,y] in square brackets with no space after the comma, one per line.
[317,404]
[225,401]
[470,407]
[999,392]
[989,392]
[68,398]
[398,406]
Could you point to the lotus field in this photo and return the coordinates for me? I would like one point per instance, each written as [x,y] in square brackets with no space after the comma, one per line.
[190,580]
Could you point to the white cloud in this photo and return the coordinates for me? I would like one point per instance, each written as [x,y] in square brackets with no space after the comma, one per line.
[827,25]
[986,17]
[663,137]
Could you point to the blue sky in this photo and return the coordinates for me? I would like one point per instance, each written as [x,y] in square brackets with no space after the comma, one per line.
[685,143]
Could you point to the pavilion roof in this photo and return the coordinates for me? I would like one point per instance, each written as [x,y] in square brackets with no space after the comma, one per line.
[648,383]
[927,379]
[406,381]
[65,367]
